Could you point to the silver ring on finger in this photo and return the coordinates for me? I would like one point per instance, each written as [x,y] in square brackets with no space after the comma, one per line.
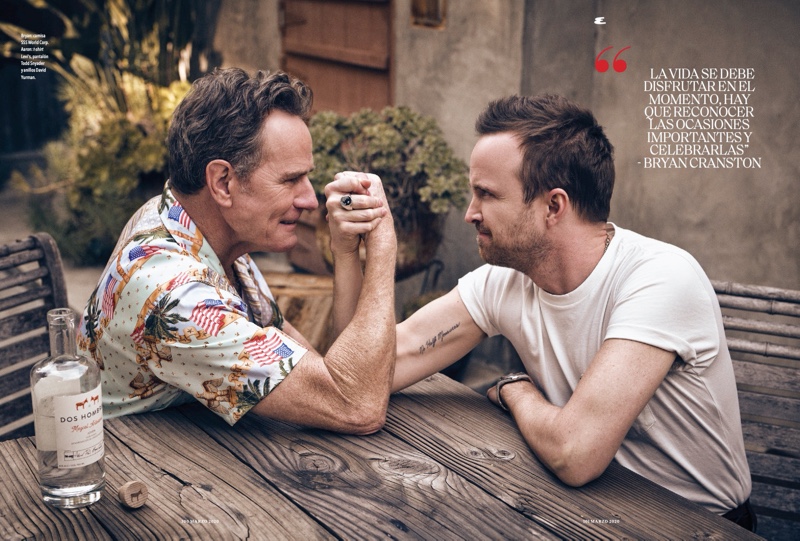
[347,202]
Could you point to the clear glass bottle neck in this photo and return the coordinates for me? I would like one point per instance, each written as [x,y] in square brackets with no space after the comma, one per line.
[61,324]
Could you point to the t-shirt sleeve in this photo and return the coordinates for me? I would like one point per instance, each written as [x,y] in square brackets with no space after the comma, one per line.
[665,302]
[212,351]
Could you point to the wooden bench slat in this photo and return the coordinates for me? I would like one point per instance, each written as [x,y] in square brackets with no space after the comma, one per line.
[767,438]
[776,528]
[23,322]
[31,283]
[768,382]
[783,380]
[34,294]
[779,469]
[765,349]
[20,257]
[759,305]
[15,378]
[760,327]
[21,428]
[760,292]
[16,409]
[784,411]
[779,498]
[777,508]
[19,279]
[17,246]
[33,347]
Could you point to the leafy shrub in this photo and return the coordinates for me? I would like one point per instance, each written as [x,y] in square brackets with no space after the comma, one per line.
[422,176]
[102,169]
[117,60]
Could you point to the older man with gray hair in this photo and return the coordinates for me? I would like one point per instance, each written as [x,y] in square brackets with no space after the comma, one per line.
[183,314]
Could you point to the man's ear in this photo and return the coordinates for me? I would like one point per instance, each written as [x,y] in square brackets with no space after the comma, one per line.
[219,174]
[557,204]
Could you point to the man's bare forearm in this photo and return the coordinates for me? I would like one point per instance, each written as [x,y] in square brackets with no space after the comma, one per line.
[347,283]
[361,361]
[434,337]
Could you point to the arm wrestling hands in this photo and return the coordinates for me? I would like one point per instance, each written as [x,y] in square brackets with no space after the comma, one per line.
[347,390]
[348,227]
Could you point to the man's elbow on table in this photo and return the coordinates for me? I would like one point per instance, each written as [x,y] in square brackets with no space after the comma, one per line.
[366,422]
[577,467]
[342,417]
[311,396]
[577,477]
[362,415]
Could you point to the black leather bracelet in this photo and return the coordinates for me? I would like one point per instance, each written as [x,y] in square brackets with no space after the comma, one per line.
[509,378]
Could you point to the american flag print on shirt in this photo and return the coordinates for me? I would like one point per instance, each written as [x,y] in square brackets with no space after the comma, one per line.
[142,324]
[138,252]
[210,315]
[138,334]
[181,279]
[108,295]
[177,214]
[265,350]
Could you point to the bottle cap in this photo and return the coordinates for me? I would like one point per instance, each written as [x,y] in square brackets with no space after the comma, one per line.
[133,494]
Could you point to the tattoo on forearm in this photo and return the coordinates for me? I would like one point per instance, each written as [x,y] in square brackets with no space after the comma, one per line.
[431,342]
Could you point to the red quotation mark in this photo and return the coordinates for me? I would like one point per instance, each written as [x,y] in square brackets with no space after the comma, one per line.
[620,65]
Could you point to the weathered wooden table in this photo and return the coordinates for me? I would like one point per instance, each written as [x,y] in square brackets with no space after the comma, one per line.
[448,465]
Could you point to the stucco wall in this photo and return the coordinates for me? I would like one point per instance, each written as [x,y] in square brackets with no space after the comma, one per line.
[741,224]
[247,34]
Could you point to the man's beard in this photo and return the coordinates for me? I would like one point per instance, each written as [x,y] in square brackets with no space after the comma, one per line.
[522,254]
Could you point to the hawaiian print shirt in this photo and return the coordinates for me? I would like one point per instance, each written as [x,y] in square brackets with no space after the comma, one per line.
[166,325]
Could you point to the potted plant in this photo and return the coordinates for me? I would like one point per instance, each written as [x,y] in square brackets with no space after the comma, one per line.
[422,177]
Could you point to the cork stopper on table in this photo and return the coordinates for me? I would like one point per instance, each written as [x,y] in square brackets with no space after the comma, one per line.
[133,494]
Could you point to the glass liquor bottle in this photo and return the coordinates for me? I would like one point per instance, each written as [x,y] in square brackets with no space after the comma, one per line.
[68,419]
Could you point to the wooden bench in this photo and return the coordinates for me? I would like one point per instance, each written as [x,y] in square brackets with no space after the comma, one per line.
[762,326]
[31,283]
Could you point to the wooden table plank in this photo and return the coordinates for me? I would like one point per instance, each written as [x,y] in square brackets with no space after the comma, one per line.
[389,489]
[455,417]
[23,513]
[448,465]
[207,487]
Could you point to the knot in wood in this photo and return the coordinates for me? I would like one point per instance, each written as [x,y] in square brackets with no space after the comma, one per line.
[490,454]
[504,454]
[318,471]
[317,463]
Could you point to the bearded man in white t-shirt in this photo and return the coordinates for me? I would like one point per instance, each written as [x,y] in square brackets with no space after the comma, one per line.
[621,335]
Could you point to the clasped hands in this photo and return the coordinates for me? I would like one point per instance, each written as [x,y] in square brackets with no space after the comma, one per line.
[357,208]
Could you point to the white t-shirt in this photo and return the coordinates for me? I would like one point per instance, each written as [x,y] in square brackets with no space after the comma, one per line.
[689,436]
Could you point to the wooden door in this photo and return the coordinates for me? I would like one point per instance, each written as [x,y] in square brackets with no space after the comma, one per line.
[342,49]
